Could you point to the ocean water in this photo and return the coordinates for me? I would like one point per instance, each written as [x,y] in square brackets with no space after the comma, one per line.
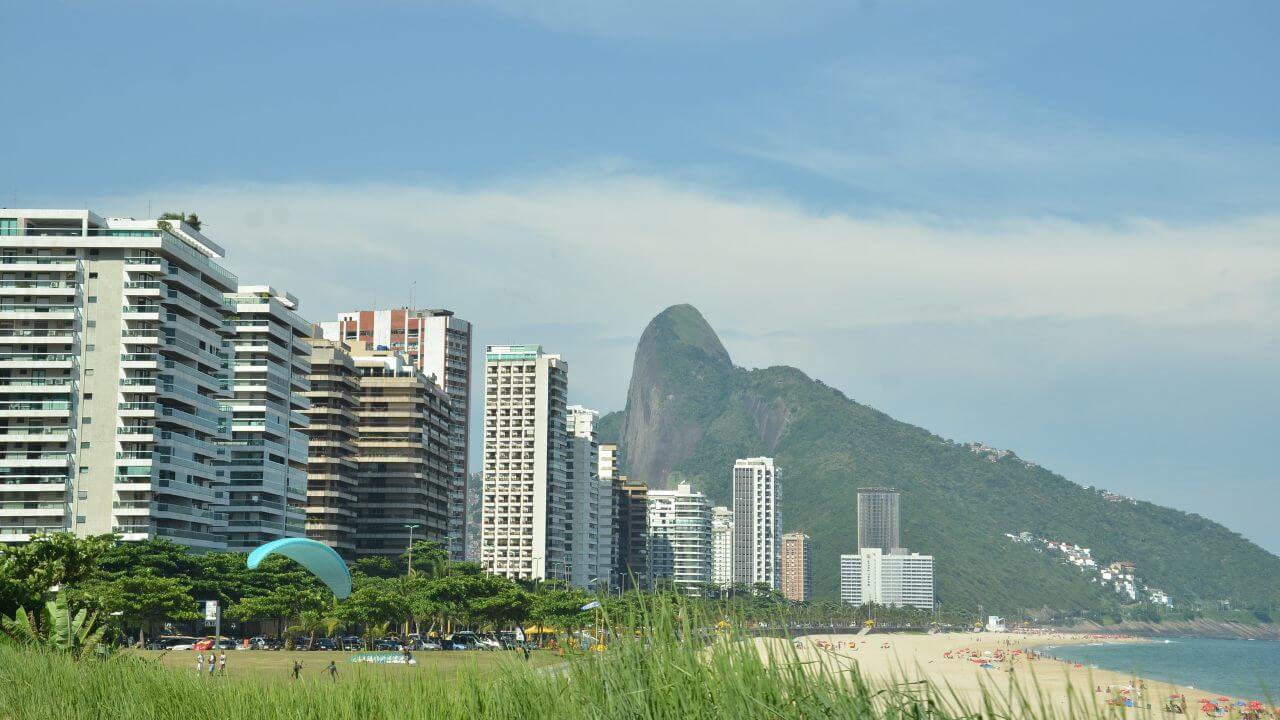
[1239,668]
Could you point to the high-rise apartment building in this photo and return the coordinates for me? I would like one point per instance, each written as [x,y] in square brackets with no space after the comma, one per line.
[757,537]
[113,371]
[680,538]
[266,474]
[589,520]
[524,500]
[439,344]
[333,474]
[632,568]
[795,567]
[607,467]
[721,546]
[899,578]
[403,453]
[878,519]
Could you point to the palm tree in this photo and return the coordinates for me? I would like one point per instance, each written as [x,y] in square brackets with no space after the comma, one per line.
[310,622]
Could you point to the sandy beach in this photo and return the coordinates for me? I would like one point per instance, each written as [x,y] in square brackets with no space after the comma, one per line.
[954,663]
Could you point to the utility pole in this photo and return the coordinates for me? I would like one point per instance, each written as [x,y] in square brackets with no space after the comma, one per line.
[411,529]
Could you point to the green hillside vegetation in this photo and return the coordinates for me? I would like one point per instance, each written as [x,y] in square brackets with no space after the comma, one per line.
[690,413]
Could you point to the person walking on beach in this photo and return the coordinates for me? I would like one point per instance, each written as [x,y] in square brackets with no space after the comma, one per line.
[297,669]
[222,663]
[332,670]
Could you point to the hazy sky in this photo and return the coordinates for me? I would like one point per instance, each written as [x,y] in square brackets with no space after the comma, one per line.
[1054,229]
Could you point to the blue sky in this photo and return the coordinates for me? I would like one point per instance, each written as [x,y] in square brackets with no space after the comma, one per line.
[1056,230]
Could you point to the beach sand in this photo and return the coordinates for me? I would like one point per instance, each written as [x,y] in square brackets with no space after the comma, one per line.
[905,660]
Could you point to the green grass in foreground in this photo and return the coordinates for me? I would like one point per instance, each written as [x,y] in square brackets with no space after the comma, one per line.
[664,677]
[270,666]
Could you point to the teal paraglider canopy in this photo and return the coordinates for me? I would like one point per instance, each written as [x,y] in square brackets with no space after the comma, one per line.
[317,557]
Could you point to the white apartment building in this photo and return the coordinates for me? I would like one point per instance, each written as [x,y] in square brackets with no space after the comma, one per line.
[757,534]
[721,546]
[589,521]
[266,479]
[113,376]
[439,344]
[524,499]
[680,538]
[900,578]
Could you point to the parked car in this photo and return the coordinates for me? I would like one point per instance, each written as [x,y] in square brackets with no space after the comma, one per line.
[386,644]
[266,643]
[352,642]
[326,644]
[464,641]
[173,642]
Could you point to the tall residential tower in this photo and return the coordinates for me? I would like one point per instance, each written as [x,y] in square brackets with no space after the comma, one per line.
[878,519]
[266,480]
[526,445]
[757,537]
[795,567]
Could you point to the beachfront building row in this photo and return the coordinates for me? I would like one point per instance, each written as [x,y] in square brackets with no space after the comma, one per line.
[145,391]
[899,578]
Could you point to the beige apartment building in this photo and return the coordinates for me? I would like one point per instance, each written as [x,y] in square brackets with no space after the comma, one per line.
[795,567]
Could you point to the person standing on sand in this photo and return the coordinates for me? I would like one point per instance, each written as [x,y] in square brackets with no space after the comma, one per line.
[297,669]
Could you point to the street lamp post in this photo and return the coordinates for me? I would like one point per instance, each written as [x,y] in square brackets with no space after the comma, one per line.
[411,527]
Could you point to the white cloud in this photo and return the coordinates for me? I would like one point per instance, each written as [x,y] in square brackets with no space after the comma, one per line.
[591,247]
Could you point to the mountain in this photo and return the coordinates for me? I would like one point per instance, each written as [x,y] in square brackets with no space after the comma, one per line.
[691,412]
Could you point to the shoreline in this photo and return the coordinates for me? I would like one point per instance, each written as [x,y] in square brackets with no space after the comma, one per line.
[967,666]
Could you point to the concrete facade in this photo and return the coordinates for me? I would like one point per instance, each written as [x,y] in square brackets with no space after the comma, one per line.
[680,538]
[440,345]
[757,538]
[526,445]
[114,378]
[795,567]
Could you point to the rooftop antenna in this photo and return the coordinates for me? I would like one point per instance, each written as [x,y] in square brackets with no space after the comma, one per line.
[412,286]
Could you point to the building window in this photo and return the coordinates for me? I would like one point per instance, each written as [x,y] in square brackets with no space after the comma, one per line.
[93,298]
[93,276]
[86,421]
[84,445]
[8,226]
